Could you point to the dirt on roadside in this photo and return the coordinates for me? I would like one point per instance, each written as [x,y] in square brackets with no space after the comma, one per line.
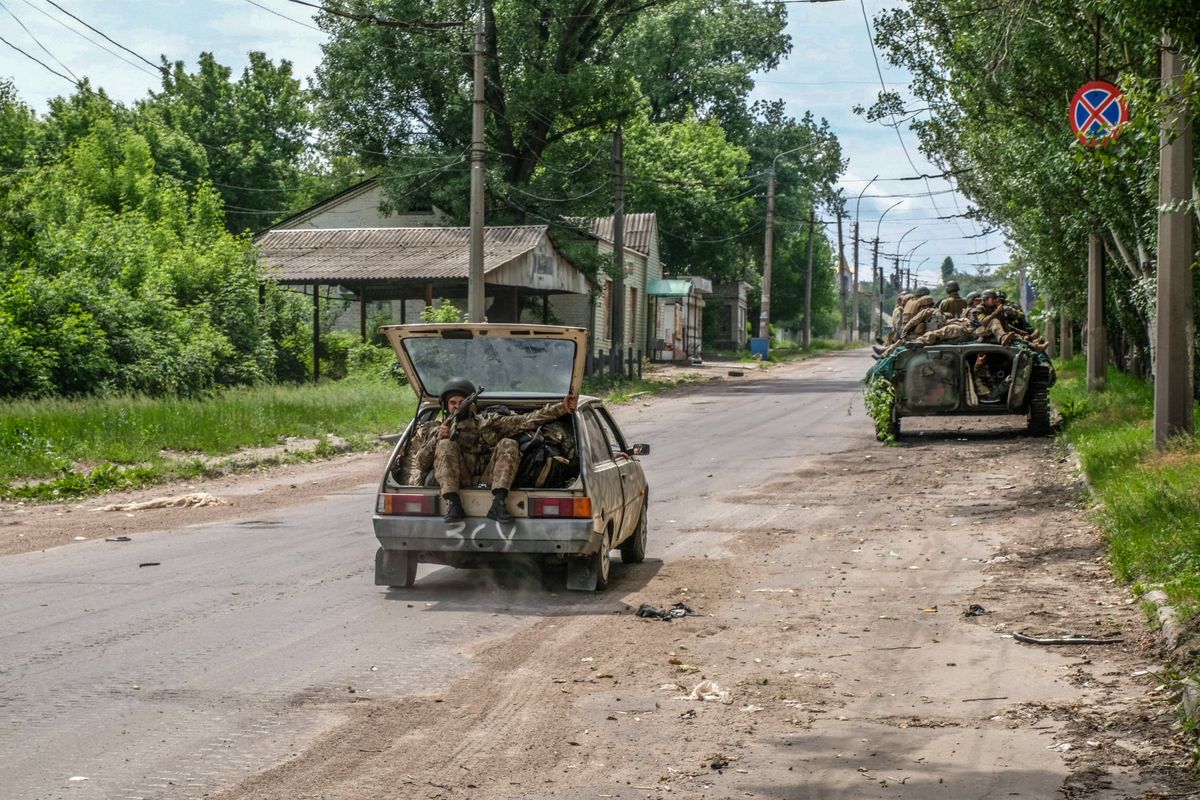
[851,665]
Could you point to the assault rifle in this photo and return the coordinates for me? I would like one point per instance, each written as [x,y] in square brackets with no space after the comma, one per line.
[464,411]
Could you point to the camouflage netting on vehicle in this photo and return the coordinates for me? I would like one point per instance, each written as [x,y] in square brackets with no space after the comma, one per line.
[886,367]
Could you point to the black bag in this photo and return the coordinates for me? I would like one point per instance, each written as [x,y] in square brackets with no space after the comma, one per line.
[545,460]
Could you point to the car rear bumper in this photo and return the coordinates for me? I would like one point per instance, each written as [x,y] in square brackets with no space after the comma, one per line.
[481,536]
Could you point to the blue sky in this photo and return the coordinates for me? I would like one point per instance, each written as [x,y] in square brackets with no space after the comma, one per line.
[829,70]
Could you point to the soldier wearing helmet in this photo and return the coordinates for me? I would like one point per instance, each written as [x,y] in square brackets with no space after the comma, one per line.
[479,450]
[952,305]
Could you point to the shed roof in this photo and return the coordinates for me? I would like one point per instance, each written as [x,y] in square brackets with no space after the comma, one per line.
[639,230]
[341,255]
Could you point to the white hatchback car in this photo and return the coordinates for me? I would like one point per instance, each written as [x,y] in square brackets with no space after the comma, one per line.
[593,501]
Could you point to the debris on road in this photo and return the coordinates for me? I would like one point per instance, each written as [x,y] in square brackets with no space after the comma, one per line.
[193,500]
[667,614]
[1068,639]
[118,539]
[976,610]
[709,691]
[150,564]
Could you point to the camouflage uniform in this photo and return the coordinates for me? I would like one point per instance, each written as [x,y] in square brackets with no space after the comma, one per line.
[952,306]
[989,323]
[898,316]
[956,330]
[926,318]
[484,451]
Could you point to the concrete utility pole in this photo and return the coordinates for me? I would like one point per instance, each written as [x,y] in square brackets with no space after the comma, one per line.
[1097,336]
[1175,334]
[764,315]
[812,221]
[1067,336]
[841,256]
[475,289]
[877,276]
[618,289]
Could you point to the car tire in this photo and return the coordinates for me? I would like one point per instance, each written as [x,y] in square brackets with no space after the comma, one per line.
[633,549]
[590,573]
[396,569]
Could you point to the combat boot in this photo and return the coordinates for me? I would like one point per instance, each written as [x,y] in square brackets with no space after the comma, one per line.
[878,350]
[454,509]
[499,510]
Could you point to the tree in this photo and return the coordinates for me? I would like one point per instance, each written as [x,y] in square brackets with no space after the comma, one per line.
[561,69]
[947,269]
[995,82]
[251,133]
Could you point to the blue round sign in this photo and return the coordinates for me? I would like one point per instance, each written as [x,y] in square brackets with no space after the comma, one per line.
[1098,112]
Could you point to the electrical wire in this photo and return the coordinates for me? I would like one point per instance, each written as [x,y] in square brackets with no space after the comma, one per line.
[95,30]
[44,65]
[284,16]
[38,42]
[88,39]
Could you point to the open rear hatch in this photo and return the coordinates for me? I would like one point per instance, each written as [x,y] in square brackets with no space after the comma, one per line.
[534,361]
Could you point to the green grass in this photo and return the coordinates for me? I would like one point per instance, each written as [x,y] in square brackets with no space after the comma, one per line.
[51,449]
[1150,501]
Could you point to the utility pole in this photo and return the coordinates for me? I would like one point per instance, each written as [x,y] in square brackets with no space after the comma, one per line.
[854,287]
[475,288]
[1176,329]
[1097,336]
[843,279]
[618,290]
[877,276]
[812,221]
[764,316]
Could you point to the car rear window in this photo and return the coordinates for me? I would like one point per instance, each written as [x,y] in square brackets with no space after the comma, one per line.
[500,365]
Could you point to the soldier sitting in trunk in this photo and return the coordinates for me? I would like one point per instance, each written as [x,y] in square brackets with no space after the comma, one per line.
[480,450]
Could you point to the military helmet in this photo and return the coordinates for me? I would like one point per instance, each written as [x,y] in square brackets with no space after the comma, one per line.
[455,386]
[1000,294]
[971,296]
[951,286]
[991,295]
[921,291]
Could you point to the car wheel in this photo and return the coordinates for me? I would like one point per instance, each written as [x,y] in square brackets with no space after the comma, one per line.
[396,569]
[590,573]
[633,549]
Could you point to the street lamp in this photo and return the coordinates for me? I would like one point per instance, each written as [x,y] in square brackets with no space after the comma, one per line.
[857,233]
[897,256]
[764,316]
[876,273]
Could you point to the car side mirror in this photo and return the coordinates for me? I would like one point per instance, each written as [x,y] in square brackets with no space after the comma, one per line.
[639,450]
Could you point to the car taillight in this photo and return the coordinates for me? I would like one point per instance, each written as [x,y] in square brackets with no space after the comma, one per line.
[569,507]
[415,505]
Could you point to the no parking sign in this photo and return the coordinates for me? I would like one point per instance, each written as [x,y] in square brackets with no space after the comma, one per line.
[1098,112]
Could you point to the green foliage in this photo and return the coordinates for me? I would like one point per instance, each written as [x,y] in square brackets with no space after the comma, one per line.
[1149,505]
[947,269]
[996,84]
[135,440]
[443,312]
[114,278]
[878,397]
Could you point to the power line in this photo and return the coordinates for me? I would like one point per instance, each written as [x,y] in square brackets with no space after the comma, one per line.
[44,65]
[377,20]
[107,37]
[38,42]
[87,38]
[284,16]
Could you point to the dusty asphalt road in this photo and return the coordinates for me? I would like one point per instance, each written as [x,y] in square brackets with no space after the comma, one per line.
[255,659]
